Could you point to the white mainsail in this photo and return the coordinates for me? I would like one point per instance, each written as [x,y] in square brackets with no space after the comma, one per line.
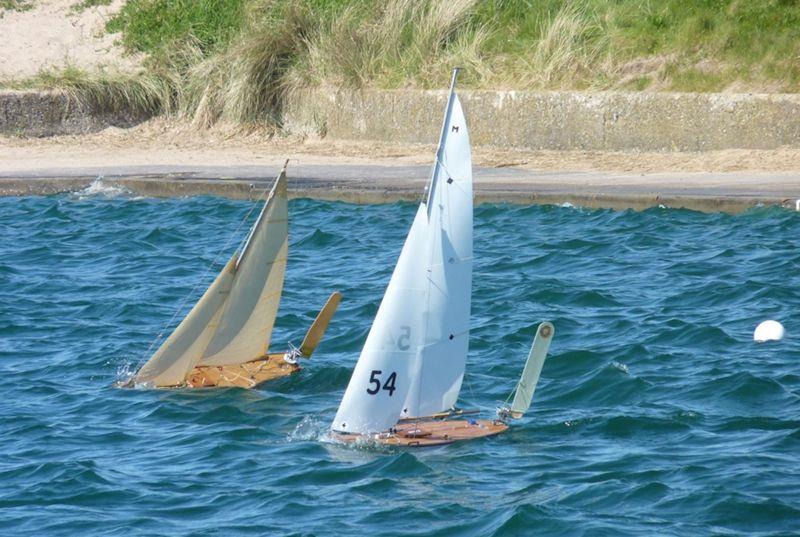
[232,322]
[412,363]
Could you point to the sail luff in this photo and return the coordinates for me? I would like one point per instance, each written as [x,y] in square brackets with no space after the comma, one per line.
[260,218]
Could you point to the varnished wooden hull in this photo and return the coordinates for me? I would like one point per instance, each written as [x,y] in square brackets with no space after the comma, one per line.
[246,375]
[412,433]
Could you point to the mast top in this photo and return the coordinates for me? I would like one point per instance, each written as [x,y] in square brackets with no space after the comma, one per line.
[453,80]
[437,162]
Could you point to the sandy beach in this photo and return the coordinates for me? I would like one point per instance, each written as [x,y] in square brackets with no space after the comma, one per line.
[65,36]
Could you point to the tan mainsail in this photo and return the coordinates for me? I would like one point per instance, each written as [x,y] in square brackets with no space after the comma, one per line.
[245,328]
[232,322]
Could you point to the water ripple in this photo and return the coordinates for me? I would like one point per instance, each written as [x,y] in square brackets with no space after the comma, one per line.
[656,413]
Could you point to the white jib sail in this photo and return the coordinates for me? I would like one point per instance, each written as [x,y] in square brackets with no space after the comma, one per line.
[413,361]
[232,322]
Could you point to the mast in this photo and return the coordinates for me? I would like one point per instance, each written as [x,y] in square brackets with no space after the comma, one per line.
[440,360]
[440,147]
[261,214]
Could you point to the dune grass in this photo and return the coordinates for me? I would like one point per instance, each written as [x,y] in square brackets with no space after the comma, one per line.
[703,45]
[143,93]
[205,67]
[392,44]
[236,60]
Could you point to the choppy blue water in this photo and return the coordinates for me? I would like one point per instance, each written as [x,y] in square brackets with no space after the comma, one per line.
[656,413]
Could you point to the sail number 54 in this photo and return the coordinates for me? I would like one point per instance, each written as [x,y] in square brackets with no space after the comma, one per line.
[375,382]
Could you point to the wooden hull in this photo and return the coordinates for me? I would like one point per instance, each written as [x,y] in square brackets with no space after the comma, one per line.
[411,433]
[246,375]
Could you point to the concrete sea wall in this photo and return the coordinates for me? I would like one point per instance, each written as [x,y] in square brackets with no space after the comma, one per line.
[50,113]
[610,121]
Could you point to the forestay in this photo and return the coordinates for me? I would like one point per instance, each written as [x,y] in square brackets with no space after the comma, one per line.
[232,322]
[412,363]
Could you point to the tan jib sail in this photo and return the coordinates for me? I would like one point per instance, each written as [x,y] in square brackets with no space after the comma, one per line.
[232,322]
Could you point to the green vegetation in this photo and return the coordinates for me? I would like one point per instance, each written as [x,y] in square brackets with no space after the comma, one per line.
[155,26]
[703,45]
[15,5]
[85,4]
[698,45]
[236,60]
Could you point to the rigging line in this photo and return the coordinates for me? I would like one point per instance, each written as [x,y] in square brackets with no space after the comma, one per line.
[441,164]
[423,196]
[160,336]
[429,188]
[513,391]
[469,387]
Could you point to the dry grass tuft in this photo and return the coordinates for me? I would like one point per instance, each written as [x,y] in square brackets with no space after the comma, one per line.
[390,44]
[144,93]
[244,84]
[361,44]
[572,45]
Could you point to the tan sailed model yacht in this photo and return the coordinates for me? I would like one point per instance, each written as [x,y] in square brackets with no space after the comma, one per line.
[406,382]
[224,340]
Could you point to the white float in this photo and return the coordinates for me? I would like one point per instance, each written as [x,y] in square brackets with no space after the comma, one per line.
[769,331]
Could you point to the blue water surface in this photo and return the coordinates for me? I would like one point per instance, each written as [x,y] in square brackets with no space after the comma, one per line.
[656,412]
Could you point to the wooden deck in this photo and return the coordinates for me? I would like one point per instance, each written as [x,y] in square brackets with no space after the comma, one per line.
[246,375]
[411,433]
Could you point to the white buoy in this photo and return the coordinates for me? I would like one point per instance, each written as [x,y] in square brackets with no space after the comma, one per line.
[769,331]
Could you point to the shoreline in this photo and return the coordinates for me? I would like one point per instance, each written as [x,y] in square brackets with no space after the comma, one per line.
[384,184]
[162,158]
